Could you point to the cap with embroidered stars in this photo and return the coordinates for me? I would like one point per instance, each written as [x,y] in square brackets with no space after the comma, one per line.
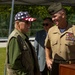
[55,7]
[25,16]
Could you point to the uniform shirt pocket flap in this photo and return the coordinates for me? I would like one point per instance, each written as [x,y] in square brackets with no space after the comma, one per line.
[54,42]
[70,43]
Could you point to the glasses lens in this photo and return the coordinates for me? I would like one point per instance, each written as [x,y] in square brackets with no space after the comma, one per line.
[45,24]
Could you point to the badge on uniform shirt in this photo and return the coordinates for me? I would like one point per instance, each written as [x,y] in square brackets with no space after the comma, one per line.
[70,36]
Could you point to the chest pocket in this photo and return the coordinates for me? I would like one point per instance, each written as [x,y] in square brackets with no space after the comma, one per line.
[70,43]
[54,39]
[54,42]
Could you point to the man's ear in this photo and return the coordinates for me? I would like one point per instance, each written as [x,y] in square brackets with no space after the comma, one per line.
[17,22]
[63,15]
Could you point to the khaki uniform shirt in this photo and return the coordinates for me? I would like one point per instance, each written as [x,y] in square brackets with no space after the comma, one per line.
[62,44]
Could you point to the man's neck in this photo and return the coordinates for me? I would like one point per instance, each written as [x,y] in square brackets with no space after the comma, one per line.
[63,25]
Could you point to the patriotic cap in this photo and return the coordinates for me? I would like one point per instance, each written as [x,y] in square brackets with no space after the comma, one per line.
[23,16]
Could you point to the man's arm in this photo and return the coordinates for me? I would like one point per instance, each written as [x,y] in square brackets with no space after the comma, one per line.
[48,58]
[15,55]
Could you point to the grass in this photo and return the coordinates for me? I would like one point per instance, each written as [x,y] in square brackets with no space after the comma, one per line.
[2,60]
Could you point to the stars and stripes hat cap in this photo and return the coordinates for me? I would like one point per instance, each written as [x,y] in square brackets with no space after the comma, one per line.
[24,16]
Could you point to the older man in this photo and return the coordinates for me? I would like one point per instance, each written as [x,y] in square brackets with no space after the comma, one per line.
[21,58]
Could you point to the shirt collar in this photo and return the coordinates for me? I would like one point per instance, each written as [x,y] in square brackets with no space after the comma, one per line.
[68,29]
[24,36]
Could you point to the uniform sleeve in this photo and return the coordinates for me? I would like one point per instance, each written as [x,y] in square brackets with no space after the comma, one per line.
[14,54]
[47,41]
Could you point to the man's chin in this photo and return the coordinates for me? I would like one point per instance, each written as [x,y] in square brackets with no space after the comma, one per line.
[56,24]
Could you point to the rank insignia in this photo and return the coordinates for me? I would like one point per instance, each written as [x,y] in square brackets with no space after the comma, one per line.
[70,36]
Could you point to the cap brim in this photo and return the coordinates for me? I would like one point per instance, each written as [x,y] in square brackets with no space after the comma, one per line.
[29,19]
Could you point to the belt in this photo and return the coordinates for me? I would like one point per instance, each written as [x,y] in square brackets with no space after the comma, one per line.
[65,61]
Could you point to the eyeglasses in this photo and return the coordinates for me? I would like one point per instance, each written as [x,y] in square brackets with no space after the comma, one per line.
[45,24]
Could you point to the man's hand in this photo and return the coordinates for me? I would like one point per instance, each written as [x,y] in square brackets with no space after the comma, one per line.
[49,63]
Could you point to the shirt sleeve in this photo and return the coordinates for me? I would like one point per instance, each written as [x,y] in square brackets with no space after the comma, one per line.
[47,41]
[14,54]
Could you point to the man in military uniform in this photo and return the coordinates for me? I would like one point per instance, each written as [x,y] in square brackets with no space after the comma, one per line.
[60,40]
[21,57]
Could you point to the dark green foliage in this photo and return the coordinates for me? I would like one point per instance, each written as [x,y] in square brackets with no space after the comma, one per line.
[36,11]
